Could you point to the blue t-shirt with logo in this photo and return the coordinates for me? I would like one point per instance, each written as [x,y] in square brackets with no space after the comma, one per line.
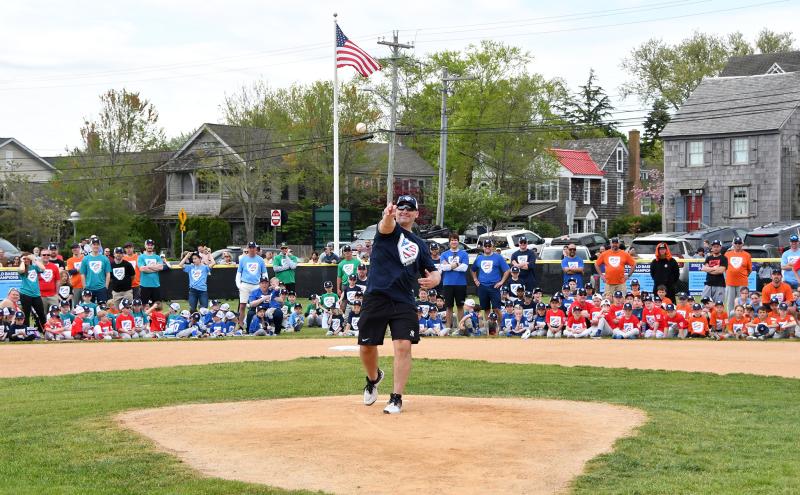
[572,262]
[95,269]
[398,258]
[198,276]
[490,268]
[451,277]
[788,258]
[30,282]
[149,279]
[251,268]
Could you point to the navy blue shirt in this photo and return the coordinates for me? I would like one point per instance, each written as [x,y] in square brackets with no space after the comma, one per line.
[527,275]
[397,260]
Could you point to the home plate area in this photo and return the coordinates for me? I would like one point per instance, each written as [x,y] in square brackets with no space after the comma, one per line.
[437,445]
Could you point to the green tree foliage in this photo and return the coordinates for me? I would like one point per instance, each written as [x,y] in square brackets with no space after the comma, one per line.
[490,117]
[213,231]
[635,224]
[660,70]
[590,109]
[656,120]
[299,226]
[544,229]
[465,206]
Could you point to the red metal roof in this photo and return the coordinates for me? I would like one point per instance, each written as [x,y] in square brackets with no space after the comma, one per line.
[577,162]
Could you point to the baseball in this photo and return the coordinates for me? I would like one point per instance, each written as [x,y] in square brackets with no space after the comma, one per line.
[361,128]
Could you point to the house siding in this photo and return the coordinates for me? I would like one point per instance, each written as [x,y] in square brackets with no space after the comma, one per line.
[27,165]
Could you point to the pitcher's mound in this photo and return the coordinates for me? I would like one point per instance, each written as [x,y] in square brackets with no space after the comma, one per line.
[437,445]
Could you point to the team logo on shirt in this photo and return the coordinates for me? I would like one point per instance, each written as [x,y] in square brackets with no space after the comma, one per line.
[408,250]
[514,287]
[791,260]
[354,322]
[119,273]
[196,274]
[95,266]
[613,261]
[47,275]
[347,269]
[627,327]
[150,262]
[555,321]
[126,324]
[64,291]
[522,258]
[335,324]
[697,326]
[736,261]
[486,266]
[78,265]
[33,276]
[328,302]
[252,268]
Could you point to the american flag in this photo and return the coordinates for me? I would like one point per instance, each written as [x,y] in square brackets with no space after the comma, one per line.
[348,53]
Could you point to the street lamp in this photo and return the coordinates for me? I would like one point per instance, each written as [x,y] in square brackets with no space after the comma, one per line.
[74,217]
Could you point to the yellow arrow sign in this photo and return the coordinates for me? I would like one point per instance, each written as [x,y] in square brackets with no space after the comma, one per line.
[182,217]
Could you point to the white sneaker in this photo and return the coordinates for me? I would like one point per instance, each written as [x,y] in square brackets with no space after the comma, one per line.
[526,334]
[395,404]
[329,333]
[371,389]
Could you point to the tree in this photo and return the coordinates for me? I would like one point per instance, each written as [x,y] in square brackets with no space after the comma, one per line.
[671,72]
[590,109]
[656,120]
[466,206]
[653,190]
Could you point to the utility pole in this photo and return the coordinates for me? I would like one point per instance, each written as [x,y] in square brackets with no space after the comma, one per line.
[395,46]
[446,80]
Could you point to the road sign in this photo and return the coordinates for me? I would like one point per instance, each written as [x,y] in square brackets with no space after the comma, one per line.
[182,219]
[275,218]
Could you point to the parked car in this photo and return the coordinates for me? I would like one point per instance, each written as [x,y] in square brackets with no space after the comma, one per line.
[235,251]
[472,233]
[591,240]
[508,240]
[556,252]
[763,270]
[552,271]
[775,234]
[723,233]
[11,250]
[368,234]
[679,248]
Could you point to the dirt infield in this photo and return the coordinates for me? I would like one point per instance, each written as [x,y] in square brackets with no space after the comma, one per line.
[759,358]
[438,444]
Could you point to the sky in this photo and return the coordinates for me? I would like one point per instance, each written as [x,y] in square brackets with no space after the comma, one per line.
[57,57]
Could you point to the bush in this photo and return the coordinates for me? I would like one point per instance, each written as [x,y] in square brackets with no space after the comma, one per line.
[215,232]
[635,224]
[544,229]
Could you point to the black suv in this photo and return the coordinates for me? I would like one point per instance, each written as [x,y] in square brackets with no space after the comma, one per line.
[724,234]
[591,240]
[774,234]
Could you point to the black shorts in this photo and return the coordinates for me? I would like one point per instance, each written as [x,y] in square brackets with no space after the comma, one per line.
[150,294]
[378,312]
[454,294]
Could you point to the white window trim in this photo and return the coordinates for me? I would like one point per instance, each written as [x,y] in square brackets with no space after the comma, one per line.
[620,191]
[603,191]
[646,205]
[746,201]
[701,154]
[620,158]
[587,191]
[604,226]
[746,151]
[532,193]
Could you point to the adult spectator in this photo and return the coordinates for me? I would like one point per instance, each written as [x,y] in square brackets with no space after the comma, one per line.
[740,264]
[436,256]
[227,258]
[453,265]
[347,267]
[715,266]
[131,257]
[55,256]
[121,281]
[259,296]
[611,265]
[314,258]
[489,272]
[664,270]
[328,256]
[96,273]
[525,259]
[11,301]
[205,253]
[86,247]
[49,280]
[150,266]
[362,277]
[572,266]
[777,289]
[788,259]
[74,270]
[198,270]
[251,269]
[285,266]
[30,296]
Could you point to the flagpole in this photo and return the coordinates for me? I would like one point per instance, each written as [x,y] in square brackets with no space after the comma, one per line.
[335,146]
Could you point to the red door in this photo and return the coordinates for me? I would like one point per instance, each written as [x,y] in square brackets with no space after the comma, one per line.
[694,212]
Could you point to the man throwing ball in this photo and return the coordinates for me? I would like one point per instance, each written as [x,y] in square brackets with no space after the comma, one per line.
[398,258]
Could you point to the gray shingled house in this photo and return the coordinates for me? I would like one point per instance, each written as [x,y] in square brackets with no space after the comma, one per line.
[731,151]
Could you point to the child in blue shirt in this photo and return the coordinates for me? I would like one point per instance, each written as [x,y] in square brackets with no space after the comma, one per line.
[435,326]
[259,325]
[539,322]
[217,327]
[296,319]
[469,323]
[519,325]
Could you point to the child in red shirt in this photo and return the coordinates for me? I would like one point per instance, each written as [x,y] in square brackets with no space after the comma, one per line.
[654,320]
[628,325]
[53,328]
[77,330]
[676,324]
[158,322]
[577,325]
[555,318]
[126,325]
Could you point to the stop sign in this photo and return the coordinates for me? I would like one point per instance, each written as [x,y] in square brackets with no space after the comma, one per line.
[275,218]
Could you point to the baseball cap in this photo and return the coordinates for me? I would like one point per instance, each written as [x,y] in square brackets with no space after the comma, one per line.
[537,290]
[647,299]
[541,306]
[487,242]
[615,239]
[470,303]
[352,277]
[220,315]
[328,284]
[777,272]
[284,245]
[347,247]
[738,240]
[432,292]
[719,302]
[65,302]
[186,314]
[793,238]
[635,281]
[149,242]
[581,292]
[118,250]
[175,307]
[509,304]
[716,242]
[577,308]
[95,240]
[312,296]
[565,287]
[262,307]
[670,307]
[605,302]
[128,244]
[783,305]
[705,300]
[86,292]
[617,293]
[588,285]
[362,267]
[78,310]
[682,296]
[214,302]
[230,315]
[283,292]
[697,306]
[52,307]
[407,200]
[75,245]
[492,316]
[126,303]
[330,245]
[291,293]
[627,306]
[657,298]
[528,293]
[251,244]
[523,240]
[514,269]
[264,278]
[774,300]
[19,314]
[195,315]
[434,246]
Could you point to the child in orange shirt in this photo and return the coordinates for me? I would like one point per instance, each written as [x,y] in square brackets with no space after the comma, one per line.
[761,326]
[697,323]
[684,307]
[661,291]
[787,325]
[737,324]
[718,321]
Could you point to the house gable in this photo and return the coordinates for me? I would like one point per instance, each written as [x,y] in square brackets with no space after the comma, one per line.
[19,159]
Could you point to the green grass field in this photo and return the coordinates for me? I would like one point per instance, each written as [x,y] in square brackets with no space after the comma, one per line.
[735,434]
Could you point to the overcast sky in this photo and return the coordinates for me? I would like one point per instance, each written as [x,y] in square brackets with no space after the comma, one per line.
[57,57]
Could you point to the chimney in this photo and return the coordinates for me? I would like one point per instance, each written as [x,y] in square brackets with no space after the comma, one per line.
[634,180]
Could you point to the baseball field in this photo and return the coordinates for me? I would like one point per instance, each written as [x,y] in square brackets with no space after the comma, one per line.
[284,415]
